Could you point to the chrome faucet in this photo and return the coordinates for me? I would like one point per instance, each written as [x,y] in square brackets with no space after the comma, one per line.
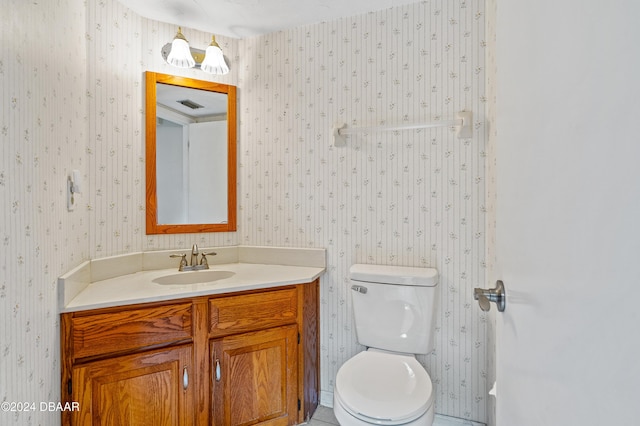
[193,265]
[194,255]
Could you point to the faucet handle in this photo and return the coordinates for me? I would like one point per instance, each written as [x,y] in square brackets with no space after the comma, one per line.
[203,260]
[183,260]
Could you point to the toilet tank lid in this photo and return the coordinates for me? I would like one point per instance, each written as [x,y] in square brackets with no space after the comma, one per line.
[388,274]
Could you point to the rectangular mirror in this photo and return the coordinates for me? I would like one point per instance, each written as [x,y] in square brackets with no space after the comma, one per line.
[190,155]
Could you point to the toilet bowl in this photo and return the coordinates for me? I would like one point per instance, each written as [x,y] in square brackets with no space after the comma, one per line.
[394,313]
[383,388]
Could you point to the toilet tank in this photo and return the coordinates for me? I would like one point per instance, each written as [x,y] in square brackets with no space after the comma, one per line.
[394,307]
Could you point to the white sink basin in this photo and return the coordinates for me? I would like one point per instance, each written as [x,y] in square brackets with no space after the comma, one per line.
[193,277]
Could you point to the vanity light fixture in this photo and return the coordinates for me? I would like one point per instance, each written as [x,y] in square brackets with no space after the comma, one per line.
[179,54]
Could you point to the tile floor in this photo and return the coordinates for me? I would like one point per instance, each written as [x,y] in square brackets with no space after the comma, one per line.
[323,417]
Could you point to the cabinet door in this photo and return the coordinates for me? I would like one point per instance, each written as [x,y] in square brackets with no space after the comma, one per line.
[255,378]
[151,388]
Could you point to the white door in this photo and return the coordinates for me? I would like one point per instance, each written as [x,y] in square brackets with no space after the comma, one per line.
[568,212]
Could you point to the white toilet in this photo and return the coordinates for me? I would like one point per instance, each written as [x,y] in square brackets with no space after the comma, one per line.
[394,309]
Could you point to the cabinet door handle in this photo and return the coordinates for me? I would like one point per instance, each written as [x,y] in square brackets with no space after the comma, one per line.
[185,378]
[218,372]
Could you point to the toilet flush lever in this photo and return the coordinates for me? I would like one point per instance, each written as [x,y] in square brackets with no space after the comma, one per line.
[359,288]
[496,295]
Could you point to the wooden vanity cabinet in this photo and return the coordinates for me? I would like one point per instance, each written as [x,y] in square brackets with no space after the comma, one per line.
[129,365]
[254,358]
[254,378]
[151,388]
[232,359]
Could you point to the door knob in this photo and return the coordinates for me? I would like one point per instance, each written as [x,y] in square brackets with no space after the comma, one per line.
[496,295]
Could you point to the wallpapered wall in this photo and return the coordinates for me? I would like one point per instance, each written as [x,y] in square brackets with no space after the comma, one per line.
[71,81]
[122,46]
[402,198]
[43,133]
[72,87]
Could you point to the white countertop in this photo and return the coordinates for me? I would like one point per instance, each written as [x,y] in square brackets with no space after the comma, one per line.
[140,288]
[129,279]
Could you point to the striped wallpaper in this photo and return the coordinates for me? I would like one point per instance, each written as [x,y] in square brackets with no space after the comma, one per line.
[403,198]
[71,76]
[43,133]
[122,46]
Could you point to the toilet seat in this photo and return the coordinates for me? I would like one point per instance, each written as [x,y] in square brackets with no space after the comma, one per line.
[384,388]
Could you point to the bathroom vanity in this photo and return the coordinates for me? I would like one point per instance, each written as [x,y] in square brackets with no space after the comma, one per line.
[240,350]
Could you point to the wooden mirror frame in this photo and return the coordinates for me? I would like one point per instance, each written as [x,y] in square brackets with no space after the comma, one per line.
[153,227]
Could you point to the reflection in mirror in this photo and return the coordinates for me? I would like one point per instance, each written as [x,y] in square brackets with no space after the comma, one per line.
[191,157]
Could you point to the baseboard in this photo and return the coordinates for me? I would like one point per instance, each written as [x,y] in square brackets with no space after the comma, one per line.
[441,420]
[326,399]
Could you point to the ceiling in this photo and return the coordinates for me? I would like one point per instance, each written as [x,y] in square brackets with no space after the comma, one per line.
[249,18]
[173,104]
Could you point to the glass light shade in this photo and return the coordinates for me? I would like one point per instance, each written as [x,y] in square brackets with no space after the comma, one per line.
[180,55]
[214,62]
